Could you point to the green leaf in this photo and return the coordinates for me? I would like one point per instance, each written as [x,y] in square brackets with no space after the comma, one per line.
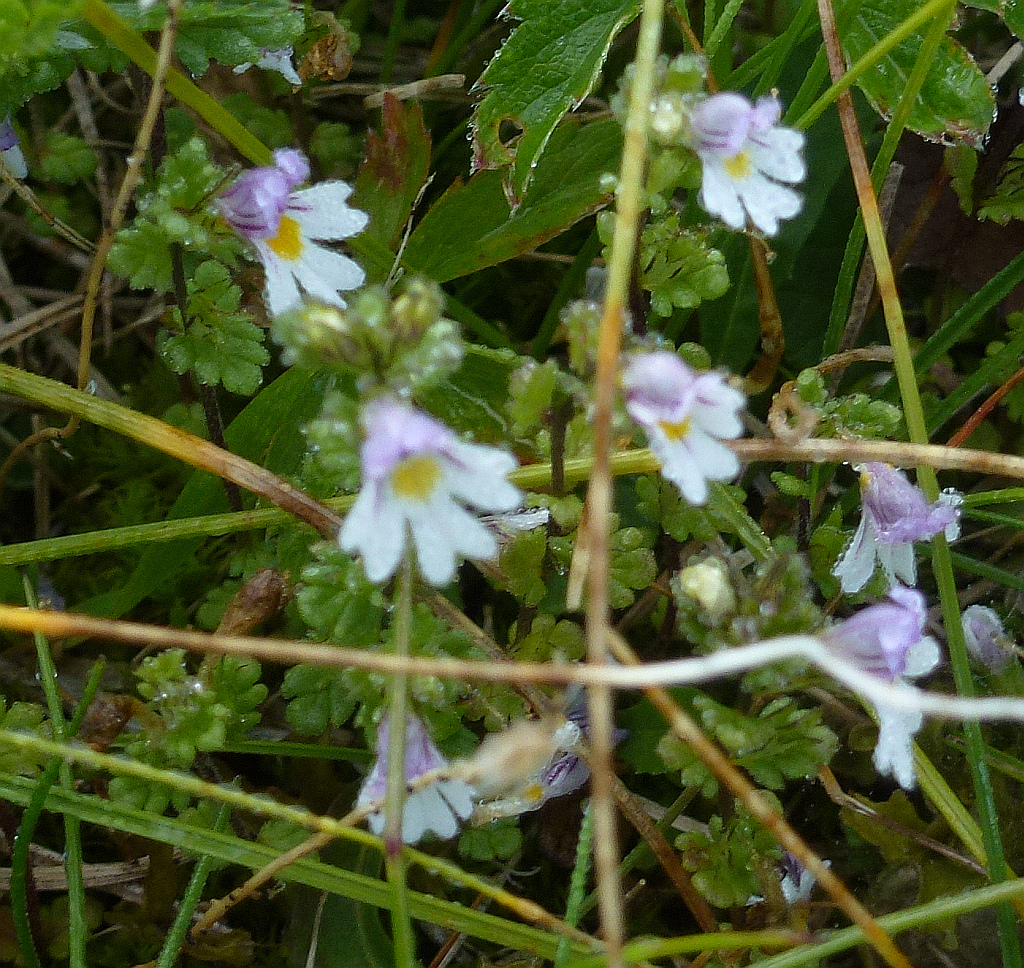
[229,31]
[956,102]
[470,227]
[779,743]
[396,167]
[548,65]
[65,158]
[219,343]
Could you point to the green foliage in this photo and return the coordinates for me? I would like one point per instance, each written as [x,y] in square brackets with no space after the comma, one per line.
[660,502]
[547,67]
[333,438]
[678,268]
[955,102]
[776,599]
[22,717]
[727,859]
[186,713]
[550,639]
[337,602]
[66,159]
[1007,200]
[778,743]
[522,563]
[1003,360]
[271,125]
[402,344]
[632,565]
[569,184]
[229,31]
[218,342]
[852,415]
[174,216]
[498,840]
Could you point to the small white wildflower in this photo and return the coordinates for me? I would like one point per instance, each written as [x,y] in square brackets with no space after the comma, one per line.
[748,161]
[895,514]
[439,807]
[281,223]
[686,416]
[416,477]
[888,641]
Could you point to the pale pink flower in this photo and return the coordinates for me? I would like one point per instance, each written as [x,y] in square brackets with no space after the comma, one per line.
[887,640]
[748,159]
[281,224]
[895,514]
[686,415]
[439,807]
[417,476]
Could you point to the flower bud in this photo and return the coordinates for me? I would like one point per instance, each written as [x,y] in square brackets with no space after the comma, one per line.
[986,638]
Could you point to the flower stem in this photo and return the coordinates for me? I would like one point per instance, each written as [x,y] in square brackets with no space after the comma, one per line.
[394,796]
[629,204]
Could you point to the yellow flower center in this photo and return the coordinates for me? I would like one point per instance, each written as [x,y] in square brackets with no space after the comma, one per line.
[416,478]
[288,242]
[675,431]
[738,166]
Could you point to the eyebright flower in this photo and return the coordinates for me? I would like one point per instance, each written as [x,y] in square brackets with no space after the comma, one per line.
[533,761]
[986,638]
[10,146]
[417,475]
[686,415]
[263,207]
[887,640]
[895,514]
[275,60]
[748,161]
[439,807]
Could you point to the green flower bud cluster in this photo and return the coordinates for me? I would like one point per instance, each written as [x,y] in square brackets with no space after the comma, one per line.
[402,344]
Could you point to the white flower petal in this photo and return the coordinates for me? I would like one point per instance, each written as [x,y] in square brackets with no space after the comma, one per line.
[856,564]
[767,202]
[376,530]
[898,562]
[322,212]
[281,293]
[322,273]
[777,154]
[921,658]
[894,751]
[679,467]
[718,196]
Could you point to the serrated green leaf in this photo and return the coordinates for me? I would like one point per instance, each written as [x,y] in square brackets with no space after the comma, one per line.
[470,227]
[548,65]
[65,158]
[220,344]
[956,102]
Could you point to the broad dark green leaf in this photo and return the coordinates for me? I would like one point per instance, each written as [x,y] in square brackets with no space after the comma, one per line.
[955,103]
[548,66]
[471,227]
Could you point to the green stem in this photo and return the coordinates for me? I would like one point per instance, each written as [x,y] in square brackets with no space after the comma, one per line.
[171,949]
[394,795]
[577,883]
[131,43]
